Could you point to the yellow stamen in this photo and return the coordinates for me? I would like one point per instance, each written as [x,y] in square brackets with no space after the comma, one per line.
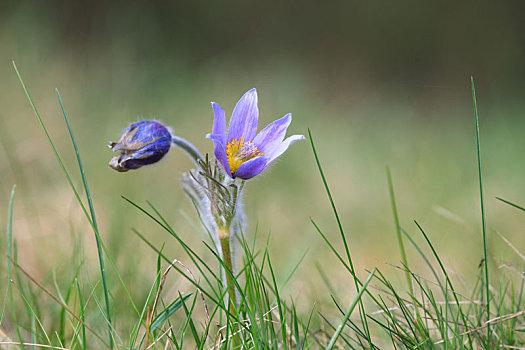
[239,152]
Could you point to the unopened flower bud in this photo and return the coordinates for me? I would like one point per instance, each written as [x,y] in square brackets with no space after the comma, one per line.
[142,143]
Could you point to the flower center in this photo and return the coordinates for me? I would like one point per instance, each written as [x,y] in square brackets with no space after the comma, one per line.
[239,152]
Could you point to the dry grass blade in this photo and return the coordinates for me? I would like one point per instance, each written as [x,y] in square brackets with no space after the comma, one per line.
[511,246]
[32,344]
[408,305]
[247,323]
[491,322]
[511,268]
[426,280]
[160,337]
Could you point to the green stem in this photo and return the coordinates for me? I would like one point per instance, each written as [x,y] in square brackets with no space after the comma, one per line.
[227,257]
[232,300]
[187,146]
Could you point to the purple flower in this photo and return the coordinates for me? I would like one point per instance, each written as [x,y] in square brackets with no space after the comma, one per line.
[141,143]
[242,152]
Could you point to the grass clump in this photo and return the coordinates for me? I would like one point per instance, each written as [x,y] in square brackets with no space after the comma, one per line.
[69,310]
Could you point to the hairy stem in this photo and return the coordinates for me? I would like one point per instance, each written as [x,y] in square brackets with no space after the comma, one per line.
[188,147]
[227,257]
[232,300]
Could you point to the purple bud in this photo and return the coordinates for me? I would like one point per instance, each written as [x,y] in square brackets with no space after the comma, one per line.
[141,143]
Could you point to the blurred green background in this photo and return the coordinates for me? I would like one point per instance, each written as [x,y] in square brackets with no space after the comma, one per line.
[378,83]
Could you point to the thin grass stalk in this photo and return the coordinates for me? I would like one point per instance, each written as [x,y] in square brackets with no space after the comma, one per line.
[282,318]
[93,219]
[454,294]
[62,318]
[511,204]
[189,321]
[343,237]
[400,243]
[143,315]
[482,203]
[82,316]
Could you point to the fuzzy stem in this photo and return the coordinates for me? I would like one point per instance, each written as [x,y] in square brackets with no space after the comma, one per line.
[187,146]
[227,256]
[232,300]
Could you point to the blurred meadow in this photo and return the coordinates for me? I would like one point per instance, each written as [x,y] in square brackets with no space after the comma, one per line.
[378,84]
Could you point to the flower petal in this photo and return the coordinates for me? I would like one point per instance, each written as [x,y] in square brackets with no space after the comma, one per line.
[279,149]
[251,168]
[220,152]
[244,118]
[219,122]
[272,135]
[136,161]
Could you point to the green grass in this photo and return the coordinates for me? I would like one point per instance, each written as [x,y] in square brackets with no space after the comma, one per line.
[175,298]
[482,205]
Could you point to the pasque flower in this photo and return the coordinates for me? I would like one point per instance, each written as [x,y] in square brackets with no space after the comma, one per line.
[141,143]
[241,151]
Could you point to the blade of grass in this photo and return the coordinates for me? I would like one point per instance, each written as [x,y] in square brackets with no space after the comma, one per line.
[93,219]
[342,336]
[165,314]
[307,328]
[511,204]
[343,237]
[296,266]
[282,317]
[446,278]
[295,327]
[339,329]
[191,324]
[358,332]
[82,316]
[339,224]
[142,321]
[62,322]
[404,260]
[424,257]
[482,203]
